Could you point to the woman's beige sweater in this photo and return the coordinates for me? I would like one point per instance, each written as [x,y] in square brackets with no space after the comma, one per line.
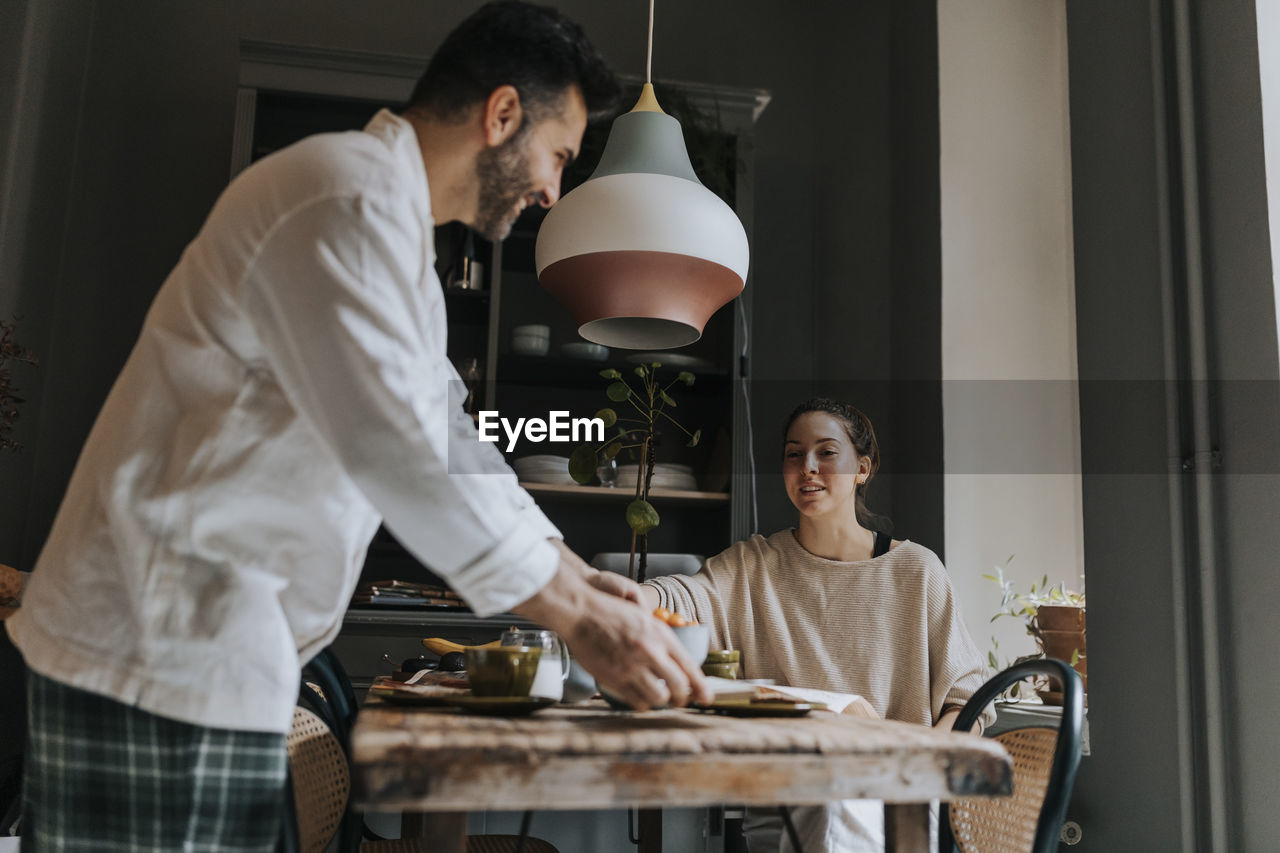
[887,629]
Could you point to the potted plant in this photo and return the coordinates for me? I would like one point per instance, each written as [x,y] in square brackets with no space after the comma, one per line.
[1054,616]
[637,431]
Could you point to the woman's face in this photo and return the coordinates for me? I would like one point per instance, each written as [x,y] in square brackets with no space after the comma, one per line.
[820,467]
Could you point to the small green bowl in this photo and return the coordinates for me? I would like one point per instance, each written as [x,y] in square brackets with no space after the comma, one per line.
[721,670]
[724,656]
[723,663]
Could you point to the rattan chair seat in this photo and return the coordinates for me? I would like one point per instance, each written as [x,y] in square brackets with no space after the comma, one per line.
[321,780]
[1001,825]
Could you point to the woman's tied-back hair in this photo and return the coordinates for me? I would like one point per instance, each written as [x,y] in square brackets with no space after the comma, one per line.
[536,49]
[863,437]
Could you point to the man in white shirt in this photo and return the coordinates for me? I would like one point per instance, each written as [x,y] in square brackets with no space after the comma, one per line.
[288,393]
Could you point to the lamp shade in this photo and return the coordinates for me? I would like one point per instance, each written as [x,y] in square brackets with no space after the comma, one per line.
[642,254]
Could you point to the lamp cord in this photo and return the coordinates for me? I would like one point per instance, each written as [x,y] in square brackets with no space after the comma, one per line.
[746,398]
[648,57]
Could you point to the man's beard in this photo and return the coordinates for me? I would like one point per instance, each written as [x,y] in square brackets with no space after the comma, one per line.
[503,173]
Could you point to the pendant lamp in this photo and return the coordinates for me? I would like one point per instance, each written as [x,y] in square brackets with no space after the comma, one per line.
[641,253]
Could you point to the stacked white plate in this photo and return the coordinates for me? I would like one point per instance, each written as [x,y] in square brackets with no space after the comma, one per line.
[665,476]
[544,468]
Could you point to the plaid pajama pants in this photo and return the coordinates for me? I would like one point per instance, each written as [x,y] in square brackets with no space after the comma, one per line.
[101,777]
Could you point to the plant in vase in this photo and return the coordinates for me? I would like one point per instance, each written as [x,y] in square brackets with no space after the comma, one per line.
[637,431]
[1054,616]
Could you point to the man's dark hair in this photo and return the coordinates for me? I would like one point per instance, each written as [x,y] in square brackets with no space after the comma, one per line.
[536,49]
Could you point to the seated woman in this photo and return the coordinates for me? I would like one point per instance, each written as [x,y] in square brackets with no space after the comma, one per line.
[834,605]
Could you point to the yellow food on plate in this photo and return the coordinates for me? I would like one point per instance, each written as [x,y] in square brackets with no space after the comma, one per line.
[442,646]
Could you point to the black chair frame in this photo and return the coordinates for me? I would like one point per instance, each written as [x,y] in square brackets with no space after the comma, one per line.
[1066,754]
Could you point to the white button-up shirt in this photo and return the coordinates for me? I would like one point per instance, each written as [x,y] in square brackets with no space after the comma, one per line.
[289,391]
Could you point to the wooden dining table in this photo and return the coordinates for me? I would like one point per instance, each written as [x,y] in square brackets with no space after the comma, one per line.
[444,763]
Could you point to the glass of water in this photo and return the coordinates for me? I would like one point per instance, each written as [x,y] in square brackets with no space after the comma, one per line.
[607,471]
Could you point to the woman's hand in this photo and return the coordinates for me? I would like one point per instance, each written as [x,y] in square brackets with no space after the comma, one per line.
[860,707]
[947,722]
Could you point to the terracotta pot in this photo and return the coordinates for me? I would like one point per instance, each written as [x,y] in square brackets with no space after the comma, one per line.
[1062,643]
[1060,617]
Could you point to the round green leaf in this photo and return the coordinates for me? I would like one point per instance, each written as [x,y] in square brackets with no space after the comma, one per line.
[641,517]
[610,373]
[641,371]
[611,449]
[608,416]
[582,464]
[697,436]
[618,392]
[666,398]
[685,376]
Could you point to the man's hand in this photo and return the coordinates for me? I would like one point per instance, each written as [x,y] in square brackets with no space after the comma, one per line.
[615,584]
[632,654]
[610,582]
[637,658]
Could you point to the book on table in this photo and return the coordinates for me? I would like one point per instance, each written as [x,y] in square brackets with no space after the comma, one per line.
[733,690]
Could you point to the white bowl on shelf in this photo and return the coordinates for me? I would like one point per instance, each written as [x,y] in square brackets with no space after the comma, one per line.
[529,345]
[531,340]
[584,350]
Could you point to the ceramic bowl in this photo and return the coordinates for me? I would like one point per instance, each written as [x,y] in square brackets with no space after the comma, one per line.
[696,639]
[585,350]
[531,340]
[529,345]
[725,663]
[579,686]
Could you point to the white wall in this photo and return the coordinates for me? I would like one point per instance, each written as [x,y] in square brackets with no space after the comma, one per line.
[1011,419]
[1269,73]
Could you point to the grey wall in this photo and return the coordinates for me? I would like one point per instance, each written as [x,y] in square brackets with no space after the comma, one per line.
[1172,259]
[1242,308]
